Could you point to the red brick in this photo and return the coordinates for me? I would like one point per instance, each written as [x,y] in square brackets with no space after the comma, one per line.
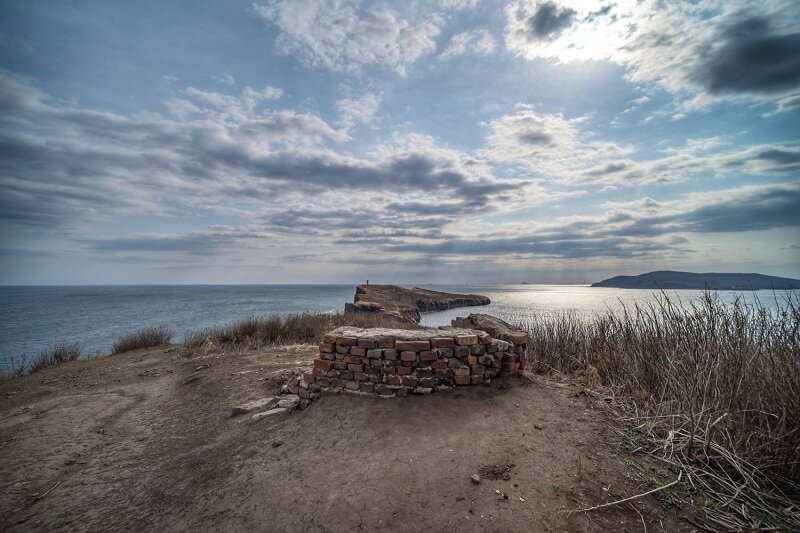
[323,365]
[390,355]
[326,347]
[439,365]
[360,352]
[427,355]
[308,376]
[472,360]
[394,380]
[444,342]
[367,343]
[360,376]
[491,348]
[461,380]
[409,381]
[385,343]
[352,385]
[408,356]
[403,370]
[330,338]
[375,363]
[355,368]
[424,372]
[454,363]
[346,341]
[461,372]
[412,345]
[484,339]
[478,369]
[383,390]
[318,372]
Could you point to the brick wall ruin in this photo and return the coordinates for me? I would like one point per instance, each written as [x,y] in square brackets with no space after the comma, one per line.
[395,362]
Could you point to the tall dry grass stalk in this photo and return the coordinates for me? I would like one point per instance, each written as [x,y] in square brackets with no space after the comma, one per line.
[143,338]
[257,332]
[714,387]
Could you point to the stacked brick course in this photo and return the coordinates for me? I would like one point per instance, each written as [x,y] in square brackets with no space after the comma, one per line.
[391,362]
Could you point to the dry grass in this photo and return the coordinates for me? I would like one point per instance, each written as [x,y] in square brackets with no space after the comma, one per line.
[62,352]
[143,338]
[712,389]
[257,332]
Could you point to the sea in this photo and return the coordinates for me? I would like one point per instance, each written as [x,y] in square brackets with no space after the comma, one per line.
[35,318]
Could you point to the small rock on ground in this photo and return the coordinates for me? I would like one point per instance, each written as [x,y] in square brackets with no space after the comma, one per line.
[265,414]
[255,405]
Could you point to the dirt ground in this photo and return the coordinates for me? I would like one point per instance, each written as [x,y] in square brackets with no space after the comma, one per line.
[145,441]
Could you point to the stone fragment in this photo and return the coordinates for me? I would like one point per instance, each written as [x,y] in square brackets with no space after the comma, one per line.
[390,355]
[383,390]
[423,390]
[346,341]
[265,414]
[352,385]
[461,380]
[329,338]
[367,343]
[466,340]
[255,405]
[375,354]
[289,401]
[360,352]
[475,478]
[367,387]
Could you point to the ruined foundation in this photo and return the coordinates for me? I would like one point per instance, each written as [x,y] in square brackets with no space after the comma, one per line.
[396,362]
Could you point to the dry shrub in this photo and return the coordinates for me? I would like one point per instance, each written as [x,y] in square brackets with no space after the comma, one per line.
[143,338]
[62,352]
[714,386]
[257,332]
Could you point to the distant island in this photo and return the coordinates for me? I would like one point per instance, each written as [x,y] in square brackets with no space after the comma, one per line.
[666,279]
[406,304]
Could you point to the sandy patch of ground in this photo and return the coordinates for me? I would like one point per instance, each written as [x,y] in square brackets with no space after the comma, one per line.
[145,441]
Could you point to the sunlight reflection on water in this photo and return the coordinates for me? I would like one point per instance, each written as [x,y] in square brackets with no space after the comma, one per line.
[521,304]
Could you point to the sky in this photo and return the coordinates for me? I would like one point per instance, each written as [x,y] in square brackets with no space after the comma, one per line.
[427,141]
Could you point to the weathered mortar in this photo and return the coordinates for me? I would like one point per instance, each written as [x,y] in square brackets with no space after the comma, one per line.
[394,362]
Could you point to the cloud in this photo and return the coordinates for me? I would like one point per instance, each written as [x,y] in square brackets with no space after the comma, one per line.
[634,229]
[478,42]
[353,111]
[458,5]
[227,79]
[564,149]
[550,20]
[343,36]
[702,51]
[278,172]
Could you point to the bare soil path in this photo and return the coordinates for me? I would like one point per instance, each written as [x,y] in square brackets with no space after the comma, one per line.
[145,441]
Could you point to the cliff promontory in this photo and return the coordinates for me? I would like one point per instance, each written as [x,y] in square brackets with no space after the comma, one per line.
[407,304]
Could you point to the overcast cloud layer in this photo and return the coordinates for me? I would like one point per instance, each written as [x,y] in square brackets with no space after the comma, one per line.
[450,141]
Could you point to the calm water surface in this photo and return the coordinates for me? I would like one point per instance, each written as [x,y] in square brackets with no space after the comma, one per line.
[33,318]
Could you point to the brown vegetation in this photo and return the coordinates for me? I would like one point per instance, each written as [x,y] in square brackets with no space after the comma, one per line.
[62,352]
[256,332]
[143,338]
[712,389]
